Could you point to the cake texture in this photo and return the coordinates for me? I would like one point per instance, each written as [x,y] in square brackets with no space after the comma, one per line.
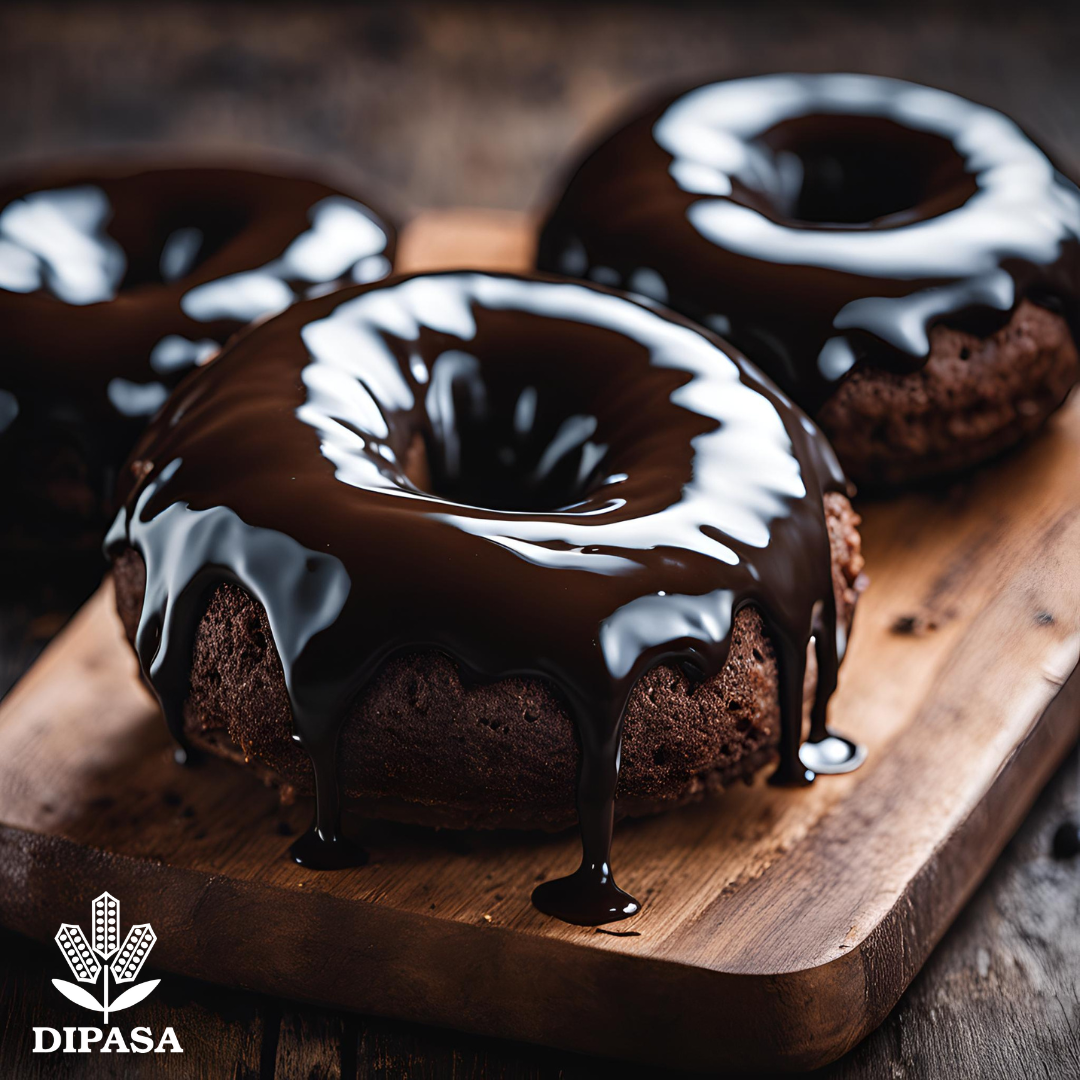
[903,262]
[974,397]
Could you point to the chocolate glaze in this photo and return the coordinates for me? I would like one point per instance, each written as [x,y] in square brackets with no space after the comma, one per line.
[536,477]
[115,281]
[823,221]
[1066,841]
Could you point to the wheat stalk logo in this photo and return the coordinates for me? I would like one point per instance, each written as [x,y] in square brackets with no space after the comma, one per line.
[88,959]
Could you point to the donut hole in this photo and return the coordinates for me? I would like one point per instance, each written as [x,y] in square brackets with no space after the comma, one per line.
[517,411]
[506,444]
[528,418]
[853,170]
[174,246]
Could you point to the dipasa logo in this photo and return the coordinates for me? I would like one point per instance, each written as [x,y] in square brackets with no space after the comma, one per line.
[116,963]
[89,959]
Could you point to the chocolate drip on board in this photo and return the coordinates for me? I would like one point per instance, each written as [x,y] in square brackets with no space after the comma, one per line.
[532,476]
[823,222]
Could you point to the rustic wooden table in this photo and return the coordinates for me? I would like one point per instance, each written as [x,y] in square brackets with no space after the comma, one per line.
[458,104]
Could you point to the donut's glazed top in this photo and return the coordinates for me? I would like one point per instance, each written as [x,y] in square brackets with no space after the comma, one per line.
[116,280]
[534,476]
[823,221]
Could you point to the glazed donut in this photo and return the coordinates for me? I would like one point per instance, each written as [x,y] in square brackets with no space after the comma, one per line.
[457,525]
[115,281]
[904,263]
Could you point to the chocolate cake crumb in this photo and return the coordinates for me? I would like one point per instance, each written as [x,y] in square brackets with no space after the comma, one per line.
[974,398]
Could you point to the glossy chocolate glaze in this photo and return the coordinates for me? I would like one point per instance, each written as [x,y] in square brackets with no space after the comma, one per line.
[117,280]
[1066,841]
[536,477]
[823,221]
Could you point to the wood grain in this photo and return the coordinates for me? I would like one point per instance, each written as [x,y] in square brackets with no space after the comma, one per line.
[779,926]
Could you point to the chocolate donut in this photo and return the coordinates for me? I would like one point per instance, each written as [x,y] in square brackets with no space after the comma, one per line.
[440,526]
[115,281]
[904,263]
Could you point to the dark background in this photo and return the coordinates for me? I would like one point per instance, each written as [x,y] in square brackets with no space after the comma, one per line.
[479,104]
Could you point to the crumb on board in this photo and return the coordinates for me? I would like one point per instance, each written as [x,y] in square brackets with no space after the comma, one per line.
[917,625]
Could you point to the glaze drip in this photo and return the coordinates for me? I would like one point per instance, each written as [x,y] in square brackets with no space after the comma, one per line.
[823,221]
[534,477]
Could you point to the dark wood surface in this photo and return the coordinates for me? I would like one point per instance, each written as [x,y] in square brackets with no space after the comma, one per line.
[441,105]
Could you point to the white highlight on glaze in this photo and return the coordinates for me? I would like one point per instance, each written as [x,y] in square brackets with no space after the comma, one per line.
[56,240]
[344,242]
[720,323]
[350,351]
[175,352]
[372,268]
[451,369]
[351,359]
[605,275]
[574,260]
[525,411]
[573,434]
[1021,209]
[713,127]
[648,283]
[836,358]
[9,409]
[902,320]
[243,297]
[179,253]
[651,621]
[136,399]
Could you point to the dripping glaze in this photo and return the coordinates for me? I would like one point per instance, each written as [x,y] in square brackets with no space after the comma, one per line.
[535,477]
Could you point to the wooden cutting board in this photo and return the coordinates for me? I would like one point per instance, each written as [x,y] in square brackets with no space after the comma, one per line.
[779,927]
